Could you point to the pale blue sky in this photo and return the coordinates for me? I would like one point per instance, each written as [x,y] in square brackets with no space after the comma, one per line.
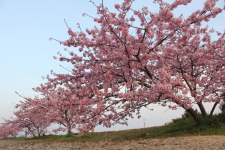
[26,54]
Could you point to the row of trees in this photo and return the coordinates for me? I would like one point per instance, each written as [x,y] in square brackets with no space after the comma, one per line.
[127,63]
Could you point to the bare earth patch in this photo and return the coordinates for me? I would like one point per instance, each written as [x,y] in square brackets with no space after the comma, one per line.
[180,143]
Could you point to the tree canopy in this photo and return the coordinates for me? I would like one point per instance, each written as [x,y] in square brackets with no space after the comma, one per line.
[134,58]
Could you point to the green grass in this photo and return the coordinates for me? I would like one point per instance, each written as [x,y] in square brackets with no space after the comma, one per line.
[212,125]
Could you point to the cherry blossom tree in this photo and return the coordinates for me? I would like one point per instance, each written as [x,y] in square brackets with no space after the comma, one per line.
[31,118]
[63,106]
[129,62]
[8,130]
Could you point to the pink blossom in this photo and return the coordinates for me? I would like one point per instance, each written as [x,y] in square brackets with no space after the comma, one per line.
[117,6]
[132,19]
[70,32]
[126,63]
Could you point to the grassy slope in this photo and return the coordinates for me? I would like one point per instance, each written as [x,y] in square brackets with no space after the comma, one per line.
[176,128]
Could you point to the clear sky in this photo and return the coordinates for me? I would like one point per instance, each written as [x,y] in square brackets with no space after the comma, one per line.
[26,54]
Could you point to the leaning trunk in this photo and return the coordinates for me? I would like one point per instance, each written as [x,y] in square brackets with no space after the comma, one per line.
[193,114]
[223,107]
[214,106]
[202,109]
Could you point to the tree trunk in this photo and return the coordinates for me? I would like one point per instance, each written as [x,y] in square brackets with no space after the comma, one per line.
[69,132]
[69,129]
[193,114]
[214,106]
[38,131]
[13,135]
[223,107]
[202,108]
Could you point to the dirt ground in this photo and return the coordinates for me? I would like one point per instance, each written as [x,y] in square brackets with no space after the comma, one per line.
[174,143]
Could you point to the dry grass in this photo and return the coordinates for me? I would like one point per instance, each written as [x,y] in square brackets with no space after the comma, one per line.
[182,143]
